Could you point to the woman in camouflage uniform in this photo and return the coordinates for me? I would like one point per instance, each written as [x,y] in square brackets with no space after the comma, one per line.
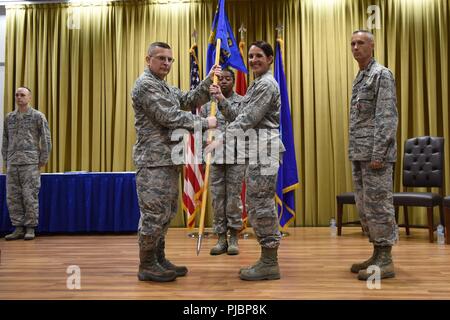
[258,116]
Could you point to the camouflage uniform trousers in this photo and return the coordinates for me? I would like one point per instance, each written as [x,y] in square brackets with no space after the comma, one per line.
[157,189]
[260,198]
[226,187]
[374,200]
[22,188]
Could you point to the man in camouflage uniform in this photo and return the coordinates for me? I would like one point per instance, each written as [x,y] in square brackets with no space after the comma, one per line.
[26,148]
[373,152]
[157,112]
[226,180]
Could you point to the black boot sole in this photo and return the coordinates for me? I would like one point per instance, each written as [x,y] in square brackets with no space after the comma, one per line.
[181,273]
[384,276]
[266,277]
[148,277]
[218,253]
[357,270]
[12,239]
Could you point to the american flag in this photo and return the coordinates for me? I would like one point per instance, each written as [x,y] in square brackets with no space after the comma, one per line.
[193,170]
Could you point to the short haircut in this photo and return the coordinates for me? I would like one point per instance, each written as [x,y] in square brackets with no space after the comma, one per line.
[227,69]
[369,34]
[264,46]
[25,88]
[155,45]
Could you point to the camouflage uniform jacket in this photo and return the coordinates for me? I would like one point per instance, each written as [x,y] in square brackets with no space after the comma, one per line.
[259,109]
[157,112]
[26,138]
[373,115]
[222,122]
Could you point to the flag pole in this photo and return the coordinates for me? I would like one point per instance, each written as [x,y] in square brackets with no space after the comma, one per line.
[192,52]
[201,225]
[242,30]
[279,29]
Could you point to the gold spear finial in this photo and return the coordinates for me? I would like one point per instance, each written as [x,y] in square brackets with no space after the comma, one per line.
[242,31]
[279,29]
[194,35]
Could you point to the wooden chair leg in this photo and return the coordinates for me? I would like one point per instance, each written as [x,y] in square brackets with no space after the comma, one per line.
[430,224]
[441,214]
[340,208]
[405,213]
[447,225]
[396,214]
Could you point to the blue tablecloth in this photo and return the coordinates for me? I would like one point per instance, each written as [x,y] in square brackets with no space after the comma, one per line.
[82,202]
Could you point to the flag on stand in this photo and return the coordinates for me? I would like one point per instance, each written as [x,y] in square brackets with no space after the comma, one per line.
[241,89]
[229,56]
[192,170]
[229,51]
[241,82]
[287,173]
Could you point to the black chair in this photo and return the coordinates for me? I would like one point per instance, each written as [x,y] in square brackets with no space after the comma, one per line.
[347,198]
[341,199]
[423,166]
[446,204]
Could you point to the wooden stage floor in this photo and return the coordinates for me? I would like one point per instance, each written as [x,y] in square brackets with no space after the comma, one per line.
[313,264]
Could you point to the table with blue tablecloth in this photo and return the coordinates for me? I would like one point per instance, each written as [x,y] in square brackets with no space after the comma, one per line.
[82,202]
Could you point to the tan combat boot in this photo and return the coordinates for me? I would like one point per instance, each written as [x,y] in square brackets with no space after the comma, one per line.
[149,268]
[233,247]
[356,267]
[221,245]
[384,261]
[266,268]
[29,235]
[18,233]
[166,264]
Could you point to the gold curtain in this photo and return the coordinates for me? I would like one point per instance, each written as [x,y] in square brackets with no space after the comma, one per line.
[81,63]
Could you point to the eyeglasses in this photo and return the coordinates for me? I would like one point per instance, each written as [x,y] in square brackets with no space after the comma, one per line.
[163,59]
